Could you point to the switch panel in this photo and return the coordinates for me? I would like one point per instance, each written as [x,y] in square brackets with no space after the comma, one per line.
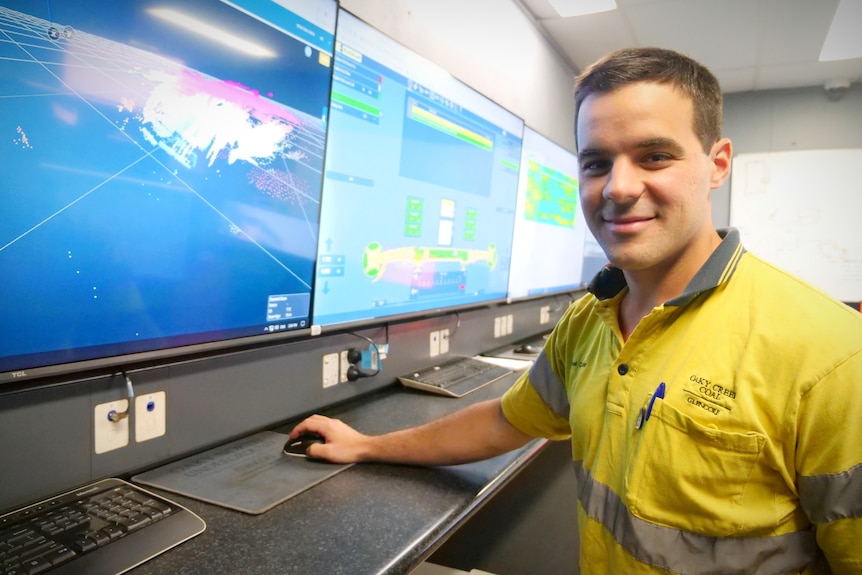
[110,435]
[544,314]
[444,341]
[434,341]
[330,369]
[343,366]
[150,416]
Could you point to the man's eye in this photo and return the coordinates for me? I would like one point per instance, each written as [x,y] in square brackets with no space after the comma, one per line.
[595,166]
[657,158]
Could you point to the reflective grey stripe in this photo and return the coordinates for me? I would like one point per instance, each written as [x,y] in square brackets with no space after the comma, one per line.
[826,498]
[688,553]
[548,386]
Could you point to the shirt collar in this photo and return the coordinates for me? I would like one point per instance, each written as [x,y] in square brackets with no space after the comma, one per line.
[717,269]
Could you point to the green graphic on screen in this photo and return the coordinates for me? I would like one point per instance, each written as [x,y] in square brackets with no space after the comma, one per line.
[552,196]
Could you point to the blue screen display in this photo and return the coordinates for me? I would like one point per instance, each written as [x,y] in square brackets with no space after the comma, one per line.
[161,174]
[419,188]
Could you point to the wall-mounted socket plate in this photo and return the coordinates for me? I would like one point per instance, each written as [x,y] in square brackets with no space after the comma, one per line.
[150,415]
[344,365]
[110,435]
[434,342]
[544,314]
[444,341]
[330,369]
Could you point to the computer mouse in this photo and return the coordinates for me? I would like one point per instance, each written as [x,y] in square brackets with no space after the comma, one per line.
[301,443]
[526,349]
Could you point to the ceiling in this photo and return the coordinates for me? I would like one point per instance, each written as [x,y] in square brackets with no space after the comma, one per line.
[748,44]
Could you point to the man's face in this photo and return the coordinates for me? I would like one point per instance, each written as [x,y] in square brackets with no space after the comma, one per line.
[645,178]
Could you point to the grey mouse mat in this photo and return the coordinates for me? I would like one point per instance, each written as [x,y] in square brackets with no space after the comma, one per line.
[250,474]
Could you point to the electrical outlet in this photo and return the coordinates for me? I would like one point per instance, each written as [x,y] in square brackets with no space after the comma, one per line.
[434,340]
[544,314]
[150,416]
[498,327]
[510,324]
[344,365]
[330,369]
[110,435]
[444,341]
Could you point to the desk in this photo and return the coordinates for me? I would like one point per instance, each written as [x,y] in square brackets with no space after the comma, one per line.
[369,519]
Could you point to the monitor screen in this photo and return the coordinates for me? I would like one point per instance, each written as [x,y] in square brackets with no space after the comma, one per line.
[419,189]
[548,249]
[161,176]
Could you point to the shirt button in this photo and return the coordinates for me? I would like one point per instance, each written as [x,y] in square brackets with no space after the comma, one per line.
[622,369]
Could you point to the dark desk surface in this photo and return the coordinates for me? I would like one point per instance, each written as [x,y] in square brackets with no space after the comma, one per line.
[369,519]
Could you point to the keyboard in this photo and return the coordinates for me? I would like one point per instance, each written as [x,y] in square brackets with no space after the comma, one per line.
[104,528]
[455,377]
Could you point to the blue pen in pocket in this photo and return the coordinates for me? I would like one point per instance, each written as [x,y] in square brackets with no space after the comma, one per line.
[645,413]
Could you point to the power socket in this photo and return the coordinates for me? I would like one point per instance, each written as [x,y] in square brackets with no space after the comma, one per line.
[150,416]
[434,342]
[544,314]
[444,341]
[330,369]
[344,364]
[110,435]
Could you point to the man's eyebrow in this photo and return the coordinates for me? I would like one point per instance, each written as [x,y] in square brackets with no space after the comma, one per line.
[660,143]
[643,145]
[590,152]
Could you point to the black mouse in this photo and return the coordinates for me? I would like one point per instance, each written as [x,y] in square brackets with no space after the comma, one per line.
[303,441]
[526,349]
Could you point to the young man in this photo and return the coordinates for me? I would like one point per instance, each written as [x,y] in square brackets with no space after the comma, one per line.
[713,402]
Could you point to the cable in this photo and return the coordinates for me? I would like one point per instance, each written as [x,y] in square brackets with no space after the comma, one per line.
[116,416]
[457,325]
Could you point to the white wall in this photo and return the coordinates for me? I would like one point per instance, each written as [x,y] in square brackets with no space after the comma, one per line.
[786,120]
[493,46]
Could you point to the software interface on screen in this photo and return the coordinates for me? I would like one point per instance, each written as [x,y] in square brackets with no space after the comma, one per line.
[162,165]
[419,188]
[548,249]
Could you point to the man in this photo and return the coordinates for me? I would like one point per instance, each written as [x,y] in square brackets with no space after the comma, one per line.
[713,402]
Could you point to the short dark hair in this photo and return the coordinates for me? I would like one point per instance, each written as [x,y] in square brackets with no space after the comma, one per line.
[659,66]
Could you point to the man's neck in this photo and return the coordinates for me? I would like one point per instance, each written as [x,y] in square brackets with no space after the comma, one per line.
[650,288]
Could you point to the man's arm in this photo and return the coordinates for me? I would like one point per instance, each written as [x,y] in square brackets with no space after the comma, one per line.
[477,432]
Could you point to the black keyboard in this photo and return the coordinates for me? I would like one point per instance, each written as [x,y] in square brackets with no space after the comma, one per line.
[107,527]
[455,377]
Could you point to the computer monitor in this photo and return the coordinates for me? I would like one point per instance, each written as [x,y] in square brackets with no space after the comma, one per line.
[161,177]
[548,248]
[419,188]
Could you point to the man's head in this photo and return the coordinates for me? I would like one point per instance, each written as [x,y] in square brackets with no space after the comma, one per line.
[649,153]
[660,66]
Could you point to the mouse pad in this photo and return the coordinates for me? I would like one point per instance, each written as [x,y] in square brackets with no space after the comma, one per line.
[251,474]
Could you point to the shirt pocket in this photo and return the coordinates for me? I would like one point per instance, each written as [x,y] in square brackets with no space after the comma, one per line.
[690,476]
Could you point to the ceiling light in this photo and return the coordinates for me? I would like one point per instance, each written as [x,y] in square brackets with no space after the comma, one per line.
[567,8]
[209,31]
[843,41]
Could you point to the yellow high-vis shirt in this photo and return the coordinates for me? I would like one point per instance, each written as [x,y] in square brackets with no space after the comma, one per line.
[723,437]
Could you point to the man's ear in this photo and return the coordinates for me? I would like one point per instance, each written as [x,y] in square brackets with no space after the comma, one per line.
[721,157]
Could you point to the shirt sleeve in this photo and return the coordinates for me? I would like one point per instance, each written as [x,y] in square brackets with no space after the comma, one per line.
[526,410]
[829,463]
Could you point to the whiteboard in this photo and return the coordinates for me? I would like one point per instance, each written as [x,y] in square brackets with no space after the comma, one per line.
[802,211]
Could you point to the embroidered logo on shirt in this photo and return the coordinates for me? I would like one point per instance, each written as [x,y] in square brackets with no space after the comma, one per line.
[579,363]
[708,395]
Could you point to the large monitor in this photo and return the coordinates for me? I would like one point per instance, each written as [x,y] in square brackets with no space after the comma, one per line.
[419,189]
[161,179]
[548,248]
